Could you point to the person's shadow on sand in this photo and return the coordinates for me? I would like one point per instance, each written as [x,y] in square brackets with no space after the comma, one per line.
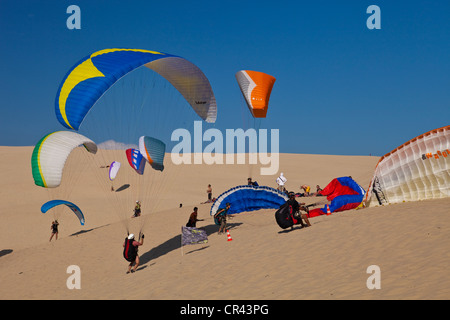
[4,252]
[175,243]
[287,230]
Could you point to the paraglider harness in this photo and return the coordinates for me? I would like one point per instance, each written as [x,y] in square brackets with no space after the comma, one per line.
[286,216]
[218,217]
[129,251]
[137,210]
[295,216]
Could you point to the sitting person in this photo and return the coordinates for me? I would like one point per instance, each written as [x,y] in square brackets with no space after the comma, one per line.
[306,190]
[319,190]
[296,207]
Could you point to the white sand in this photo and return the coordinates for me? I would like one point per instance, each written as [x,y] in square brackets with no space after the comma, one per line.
[409,241]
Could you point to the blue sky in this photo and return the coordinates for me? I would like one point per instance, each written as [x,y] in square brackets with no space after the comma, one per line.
[341,88]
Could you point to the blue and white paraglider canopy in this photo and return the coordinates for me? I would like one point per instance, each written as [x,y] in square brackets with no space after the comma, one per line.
[249,198]
[53,203]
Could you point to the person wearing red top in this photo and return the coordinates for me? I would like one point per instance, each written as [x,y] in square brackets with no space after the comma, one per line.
[130,252]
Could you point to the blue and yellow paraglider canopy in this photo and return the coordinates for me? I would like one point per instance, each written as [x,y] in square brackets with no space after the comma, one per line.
[53,203]
[91,77]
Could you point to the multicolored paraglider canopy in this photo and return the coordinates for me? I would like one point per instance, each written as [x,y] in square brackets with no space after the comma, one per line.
[153,150]
[344,194]
[417,170]
[50,155]
[91,77]
[114,169]
[53,203]
[256,88]
[249,198]
[136,160]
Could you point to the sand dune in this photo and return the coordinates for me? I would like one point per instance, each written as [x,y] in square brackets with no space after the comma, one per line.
[409,241]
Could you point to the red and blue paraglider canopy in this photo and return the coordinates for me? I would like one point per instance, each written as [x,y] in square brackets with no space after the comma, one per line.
[344,194]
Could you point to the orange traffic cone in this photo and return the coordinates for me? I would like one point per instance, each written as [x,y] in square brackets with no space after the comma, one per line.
[328,210]
[229,236]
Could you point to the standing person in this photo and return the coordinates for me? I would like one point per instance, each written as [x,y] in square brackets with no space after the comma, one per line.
[130,252]
[281,181]
[222,216]
[209,192]
[192,222]
[54,228]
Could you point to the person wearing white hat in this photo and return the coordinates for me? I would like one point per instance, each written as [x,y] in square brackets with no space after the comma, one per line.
[130,251]
[281,181]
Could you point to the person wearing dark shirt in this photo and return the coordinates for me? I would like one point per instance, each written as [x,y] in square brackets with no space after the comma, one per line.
[296,207]
[54,229]
[192,223]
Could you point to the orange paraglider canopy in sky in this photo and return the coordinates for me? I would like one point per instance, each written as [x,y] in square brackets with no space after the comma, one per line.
[256,87]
